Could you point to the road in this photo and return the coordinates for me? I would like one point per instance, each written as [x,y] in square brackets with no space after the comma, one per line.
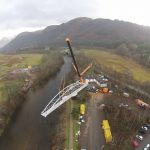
[144,142]
[92,136]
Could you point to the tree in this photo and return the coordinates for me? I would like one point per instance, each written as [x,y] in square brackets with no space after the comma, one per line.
[123,49]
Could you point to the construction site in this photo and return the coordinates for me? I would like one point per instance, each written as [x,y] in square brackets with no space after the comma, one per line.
[88,122]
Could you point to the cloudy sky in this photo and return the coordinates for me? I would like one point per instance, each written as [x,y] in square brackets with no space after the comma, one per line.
[28,15]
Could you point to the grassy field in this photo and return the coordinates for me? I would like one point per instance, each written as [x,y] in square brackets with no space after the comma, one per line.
[76,128]
[11,62]
[119,64]
[12,85]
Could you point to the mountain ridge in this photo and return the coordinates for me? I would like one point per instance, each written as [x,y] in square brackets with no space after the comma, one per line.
[84,32]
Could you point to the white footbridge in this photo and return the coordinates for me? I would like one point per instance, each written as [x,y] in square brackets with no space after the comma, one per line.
[65,94]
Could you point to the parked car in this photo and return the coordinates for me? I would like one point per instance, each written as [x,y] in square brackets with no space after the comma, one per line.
[126,94]
[148,126]
[139,137]
[82,120]
[141,131]
[135,143]
[116,86]
[105,79]
[144,128]
[147,147]
[101,76]
[123,105]
[110,91]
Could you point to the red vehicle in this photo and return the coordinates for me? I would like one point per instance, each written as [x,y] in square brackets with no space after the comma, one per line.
[135,143]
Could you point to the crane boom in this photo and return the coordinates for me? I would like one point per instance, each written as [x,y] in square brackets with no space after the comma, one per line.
[74,60]
[69,91]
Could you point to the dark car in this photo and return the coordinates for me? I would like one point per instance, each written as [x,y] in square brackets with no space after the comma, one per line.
[144,128]
[148,126]
[141,131]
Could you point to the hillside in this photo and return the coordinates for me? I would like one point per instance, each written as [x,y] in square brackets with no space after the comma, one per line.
[122,65]
[84,32]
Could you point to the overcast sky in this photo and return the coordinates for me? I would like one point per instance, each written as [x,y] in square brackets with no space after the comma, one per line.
[28,15]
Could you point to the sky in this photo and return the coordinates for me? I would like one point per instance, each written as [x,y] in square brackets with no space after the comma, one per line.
[17,16]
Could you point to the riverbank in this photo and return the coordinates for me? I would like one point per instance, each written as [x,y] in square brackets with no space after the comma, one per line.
[28,129]
[17,85]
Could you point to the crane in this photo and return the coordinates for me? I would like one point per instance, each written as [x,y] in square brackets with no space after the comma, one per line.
[71,90]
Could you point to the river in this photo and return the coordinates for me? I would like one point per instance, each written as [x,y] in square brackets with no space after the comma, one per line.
[28,129]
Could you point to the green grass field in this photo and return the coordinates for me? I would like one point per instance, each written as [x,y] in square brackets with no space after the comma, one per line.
[11,62]
[119,64]
[76,128]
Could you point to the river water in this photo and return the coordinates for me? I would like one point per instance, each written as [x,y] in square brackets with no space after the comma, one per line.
[29,130]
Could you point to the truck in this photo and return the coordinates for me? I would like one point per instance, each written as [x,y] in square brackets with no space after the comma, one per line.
[82,109]
[107,131]
[102,85]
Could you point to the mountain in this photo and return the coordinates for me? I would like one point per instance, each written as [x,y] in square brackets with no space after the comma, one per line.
[84,32]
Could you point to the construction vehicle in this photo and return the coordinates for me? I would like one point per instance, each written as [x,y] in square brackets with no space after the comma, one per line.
[142,104]
[104,90]
[71,90]
[82,109]
[103,85]
[29,67]
[107,131]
